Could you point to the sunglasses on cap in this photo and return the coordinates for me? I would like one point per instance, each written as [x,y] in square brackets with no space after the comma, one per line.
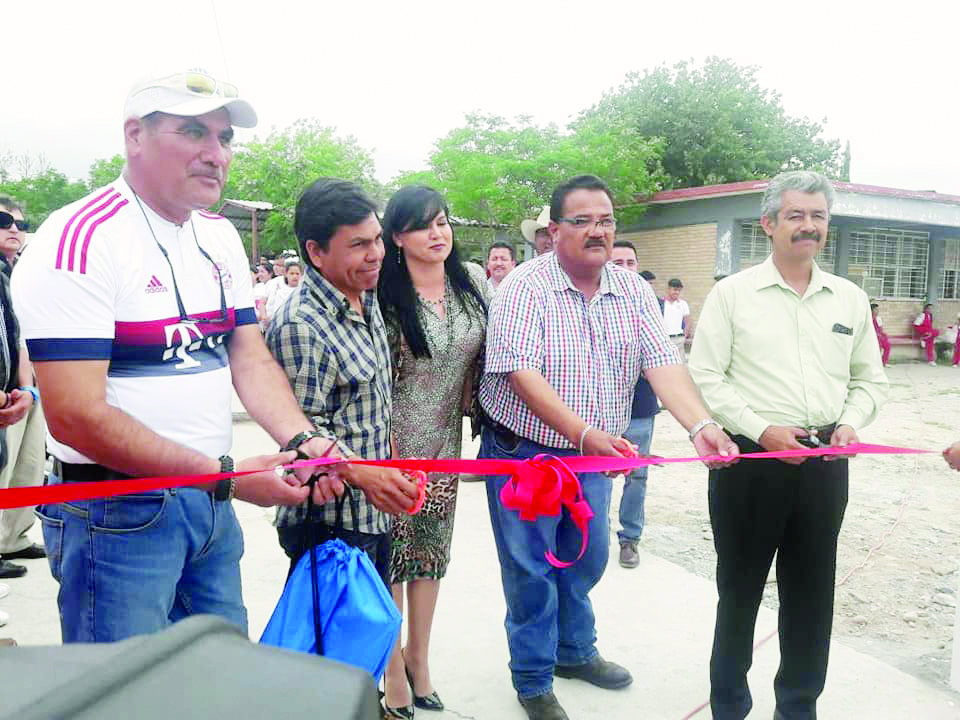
[198,83]
[7,221]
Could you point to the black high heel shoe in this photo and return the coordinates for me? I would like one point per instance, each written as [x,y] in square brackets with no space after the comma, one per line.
[404,712]
[424,702]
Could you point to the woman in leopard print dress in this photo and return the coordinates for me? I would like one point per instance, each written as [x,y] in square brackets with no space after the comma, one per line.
[435,309]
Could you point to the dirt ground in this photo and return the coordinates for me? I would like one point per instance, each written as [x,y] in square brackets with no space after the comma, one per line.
[899,553]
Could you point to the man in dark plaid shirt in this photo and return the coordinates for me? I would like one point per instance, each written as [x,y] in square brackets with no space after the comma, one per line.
[330,339]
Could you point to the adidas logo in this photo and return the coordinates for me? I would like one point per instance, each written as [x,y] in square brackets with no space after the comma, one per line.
[155,286]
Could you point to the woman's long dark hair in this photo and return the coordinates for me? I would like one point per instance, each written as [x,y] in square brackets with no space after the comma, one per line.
[413,208]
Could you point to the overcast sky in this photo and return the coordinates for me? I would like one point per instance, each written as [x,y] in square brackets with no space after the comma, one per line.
[399,75]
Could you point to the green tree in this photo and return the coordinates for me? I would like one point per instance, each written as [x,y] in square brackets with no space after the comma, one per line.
[716,123]
[278,168]
[499,172]
[38,186]
[104,171]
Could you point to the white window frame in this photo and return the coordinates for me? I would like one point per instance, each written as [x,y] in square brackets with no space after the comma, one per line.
[950,272]
[899,258]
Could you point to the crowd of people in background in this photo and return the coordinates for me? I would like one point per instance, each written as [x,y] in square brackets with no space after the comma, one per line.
[375,339]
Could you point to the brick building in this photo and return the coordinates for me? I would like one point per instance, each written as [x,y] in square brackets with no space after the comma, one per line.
[901,246]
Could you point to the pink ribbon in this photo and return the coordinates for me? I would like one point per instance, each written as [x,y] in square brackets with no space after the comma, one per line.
[540,486]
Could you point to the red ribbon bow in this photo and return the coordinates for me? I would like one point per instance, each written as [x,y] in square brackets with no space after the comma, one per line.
[543,486]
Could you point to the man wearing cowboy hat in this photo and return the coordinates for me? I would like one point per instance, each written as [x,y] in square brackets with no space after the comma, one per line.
[138,313]
[537,232]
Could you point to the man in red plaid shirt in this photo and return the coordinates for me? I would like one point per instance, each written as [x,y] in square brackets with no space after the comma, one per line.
[567,339]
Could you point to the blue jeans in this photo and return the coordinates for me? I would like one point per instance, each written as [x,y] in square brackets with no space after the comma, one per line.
[549,619]
[640,433]
[134,564]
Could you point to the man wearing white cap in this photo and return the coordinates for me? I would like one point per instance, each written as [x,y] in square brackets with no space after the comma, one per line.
[137,309]
[537,232]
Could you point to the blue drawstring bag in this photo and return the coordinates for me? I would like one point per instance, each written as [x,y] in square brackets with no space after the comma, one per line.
[336,605]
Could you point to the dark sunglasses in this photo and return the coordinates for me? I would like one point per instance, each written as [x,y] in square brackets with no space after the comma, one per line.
[7,221]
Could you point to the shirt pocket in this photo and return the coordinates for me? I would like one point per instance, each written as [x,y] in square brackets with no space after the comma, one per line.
[835,346]
[360,378]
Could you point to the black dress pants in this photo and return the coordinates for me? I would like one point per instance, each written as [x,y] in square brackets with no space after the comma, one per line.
[758,507]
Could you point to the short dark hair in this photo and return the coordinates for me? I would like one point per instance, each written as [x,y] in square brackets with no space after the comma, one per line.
[625,244]
[10,204]
[873,306]
[503,246]
[647,275]
[675,283]
[325,206]
[579,182]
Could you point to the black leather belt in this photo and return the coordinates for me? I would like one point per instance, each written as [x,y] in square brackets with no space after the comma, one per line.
[85,472]
[818,437]
[499,429]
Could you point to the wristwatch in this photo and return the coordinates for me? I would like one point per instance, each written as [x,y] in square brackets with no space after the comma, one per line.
[300,438]
[701,425]
[227,487]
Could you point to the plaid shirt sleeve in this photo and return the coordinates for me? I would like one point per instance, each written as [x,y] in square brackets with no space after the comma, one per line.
[515,331]
[305,359]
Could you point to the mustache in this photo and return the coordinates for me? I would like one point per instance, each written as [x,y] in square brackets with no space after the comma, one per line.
[806,236]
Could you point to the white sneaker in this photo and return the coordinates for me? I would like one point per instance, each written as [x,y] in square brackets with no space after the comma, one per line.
[4,618]
[5,589]
[932,364]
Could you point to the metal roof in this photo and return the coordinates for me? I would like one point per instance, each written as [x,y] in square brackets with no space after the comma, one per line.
[239,212]
[758,186]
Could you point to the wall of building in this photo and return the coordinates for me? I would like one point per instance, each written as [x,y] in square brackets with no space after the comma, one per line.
[687,252]
[898,315]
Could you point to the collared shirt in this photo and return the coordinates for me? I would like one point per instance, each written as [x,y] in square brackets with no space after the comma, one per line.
[674,311]
[763,355]
[591,352]
[338,364]
[100,281]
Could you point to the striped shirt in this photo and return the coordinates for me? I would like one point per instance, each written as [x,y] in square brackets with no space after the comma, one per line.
[338,364]
[100,280]
[591,352]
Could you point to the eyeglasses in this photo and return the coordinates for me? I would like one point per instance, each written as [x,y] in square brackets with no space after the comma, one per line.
[199,84]
[7,221]
[582,222]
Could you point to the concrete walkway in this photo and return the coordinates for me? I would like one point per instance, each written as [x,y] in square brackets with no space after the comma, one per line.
[657,620]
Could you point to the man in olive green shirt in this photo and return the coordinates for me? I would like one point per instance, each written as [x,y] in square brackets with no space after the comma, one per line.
[785,356]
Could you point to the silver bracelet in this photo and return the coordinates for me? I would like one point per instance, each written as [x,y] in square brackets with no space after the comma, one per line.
[583,434]
[701,425]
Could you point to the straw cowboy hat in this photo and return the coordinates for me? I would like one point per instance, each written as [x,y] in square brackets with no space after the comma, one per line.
[528,228]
